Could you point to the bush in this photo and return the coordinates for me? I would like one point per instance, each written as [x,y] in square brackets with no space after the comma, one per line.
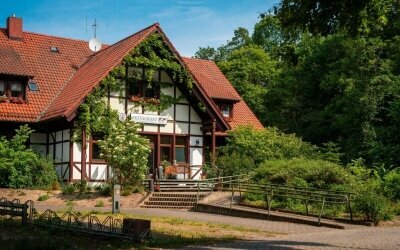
[235,164]
[81,186]
[99,204]
[305,173]
[104,189]
[68,189]
[391,185]
[44,197]
[126,191]
[20,167]
[372,206]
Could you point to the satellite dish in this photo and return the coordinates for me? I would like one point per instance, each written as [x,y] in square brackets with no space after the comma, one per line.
[94,44]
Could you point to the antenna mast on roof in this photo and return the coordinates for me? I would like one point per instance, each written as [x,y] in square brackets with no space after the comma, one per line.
[94,43]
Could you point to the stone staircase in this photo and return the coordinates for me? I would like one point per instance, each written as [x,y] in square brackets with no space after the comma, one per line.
[177,194]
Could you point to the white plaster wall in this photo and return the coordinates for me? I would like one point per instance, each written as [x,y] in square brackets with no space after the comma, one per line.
[148,112]
[150,128]
[182,112]
[168,91]
[193,140]
[59,152]
[169,112]
[165,77]
[66,170]
[194,117]
[77,153]
[76,174]
[181,128]
[66,134]
[167,128]
[117,104]
[193,171]
[59,136]
[196,156]
[65,152]
[179,94]
[132,108]
[38,138]
[98,172]
[195,129]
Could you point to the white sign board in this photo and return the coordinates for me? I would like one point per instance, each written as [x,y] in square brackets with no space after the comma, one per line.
[122,117]
[149,119]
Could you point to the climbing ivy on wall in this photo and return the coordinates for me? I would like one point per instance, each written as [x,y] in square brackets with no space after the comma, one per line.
[96,116]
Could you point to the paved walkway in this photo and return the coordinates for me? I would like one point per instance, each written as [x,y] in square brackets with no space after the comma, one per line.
[297,236]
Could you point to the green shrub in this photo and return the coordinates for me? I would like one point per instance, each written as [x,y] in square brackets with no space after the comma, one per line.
[81,186]
[235,164]
[391,185]
[68,189]
[304,172]
[99,203]
[126,191]
[20,167]
[44,197]
[370,205]
[104,189]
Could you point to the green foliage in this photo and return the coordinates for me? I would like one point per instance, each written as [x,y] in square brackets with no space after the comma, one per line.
[251,71]
[20,167]
[104,189]
[371,206]
[266,144]
[44,197]
[68,189]
[81,186]
[99,203]
[233,164]
[305,172]
[126,152]
[391,185]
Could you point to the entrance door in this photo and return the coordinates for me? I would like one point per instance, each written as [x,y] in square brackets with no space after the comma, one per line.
[151,161]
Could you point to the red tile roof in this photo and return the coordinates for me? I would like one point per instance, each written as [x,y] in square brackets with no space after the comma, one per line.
[50,70]
[215,84]
[92,72]
[67,76]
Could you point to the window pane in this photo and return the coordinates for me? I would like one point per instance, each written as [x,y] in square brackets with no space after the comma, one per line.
[226,110]
[166,140]
[165,154]
[180,140]
[2,86]
[134,87]
[95,151]
[15,86]
[180,154]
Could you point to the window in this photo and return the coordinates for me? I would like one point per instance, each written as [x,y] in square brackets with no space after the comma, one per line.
[142,88]
[165,149]
[95,149]
[12,89]
[226,109]
[180,149]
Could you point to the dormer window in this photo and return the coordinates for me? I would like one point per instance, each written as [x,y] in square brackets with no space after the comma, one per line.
[12,91]
[226,109]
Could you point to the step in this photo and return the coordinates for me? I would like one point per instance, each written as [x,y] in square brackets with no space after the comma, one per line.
[167,207]
[179,194]
[170,203]
[183,199]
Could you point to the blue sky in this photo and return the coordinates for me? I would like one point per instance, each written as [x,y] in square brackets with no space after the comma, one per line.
[188,24]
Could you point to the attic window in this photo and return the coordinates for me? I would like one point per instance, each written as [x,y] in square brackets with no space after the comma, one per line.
[54,49]
[226,109]
[33,86]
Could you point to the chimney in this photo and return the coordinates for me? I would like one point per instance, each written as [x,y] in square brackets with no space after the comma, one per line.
[14,28]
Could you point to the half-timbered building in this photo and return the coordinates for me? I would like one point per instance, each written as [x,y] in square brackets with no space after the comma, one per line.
[44,79]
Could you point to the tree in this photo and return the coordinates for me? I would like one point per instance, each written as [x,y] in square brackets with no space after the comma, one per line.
[251,71]
[126,152]
[329,17]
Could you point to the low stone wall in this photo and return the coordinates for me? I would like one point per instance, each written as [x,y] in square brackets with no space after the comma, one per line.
[214,209]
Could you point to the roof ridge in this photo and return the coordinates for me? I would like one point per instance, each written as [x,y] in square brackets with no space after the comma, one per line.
[52,36]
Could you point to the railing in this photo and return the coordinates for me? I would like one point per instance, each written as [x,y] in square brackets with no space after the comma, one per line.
[308,195]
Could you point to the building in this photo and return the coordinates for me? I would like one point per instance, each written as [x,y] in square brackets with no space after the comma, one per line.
[44,79]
